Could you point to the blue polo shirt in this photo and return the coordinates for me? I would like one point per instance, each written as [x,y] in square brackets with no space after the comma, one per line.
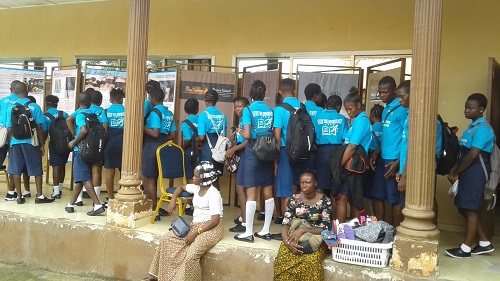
[187,134]
[205,126]
[330,127]
[282,115]
[377,136]
[147,107]
[262,119]
[79,122]
[165,124]
[360,132]
[36,111]
[239,137]
[393,119]
[313,109]
[5,103]
[483,137]
[116,116]
[97,110]
[54,112]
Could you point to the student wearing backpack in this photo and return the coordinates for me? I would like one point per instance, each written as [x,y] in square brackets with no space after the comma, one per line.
[257,121]
[313,96]
[189,129]
[478,140]
[159,127]
[26,142]
[82,171]
[384,186]
[330,127]
[211,123]
[60,136]
[113,150]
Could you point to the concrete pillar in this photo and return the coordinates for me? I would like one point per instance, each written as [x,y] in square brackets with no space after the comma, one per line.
[131,208]
[416,242]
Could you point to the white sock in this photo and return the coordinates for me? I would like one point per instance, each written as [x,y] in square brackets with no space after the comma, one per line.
[26,192]
[69,205]
[80,197]
[56,190]
[97,206]
[84,189]
[484,243]
[97,190]
[10,192]
[244,224]
[40,197]
[262,213]
[251,207]
[60,186]
[465,248]
[268,211]
[240,219]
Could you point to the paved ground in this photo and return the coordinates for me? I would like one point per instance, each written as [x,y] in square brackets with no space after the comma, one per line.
[22,273]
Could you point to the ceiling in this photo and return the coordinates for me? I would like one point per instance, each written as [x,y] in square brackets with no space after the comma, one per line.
[9,4]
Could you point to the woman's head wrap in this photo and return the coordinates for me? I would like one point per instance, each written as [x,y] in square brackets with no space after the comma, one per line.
[207,173]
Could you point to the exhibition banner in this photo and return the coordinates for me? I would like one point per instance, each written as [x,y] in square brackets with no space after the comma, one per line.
[271,80]
[374,78]
[194,84]
[168,82]
[64,87]
[104,80]
[34,79]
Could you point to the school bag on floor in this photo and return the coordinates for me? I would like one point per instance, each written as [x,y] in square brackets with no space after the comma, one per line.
[450,149]
[264,146]
[195,153]
[494,177]
[59,133]
[300,135]
[220,147]
[23,122]
[91,148]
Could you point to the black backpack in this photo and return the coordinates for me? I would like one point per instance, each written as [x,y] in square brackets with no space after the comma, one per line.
[91,148]
[23,122]
[300,135]
[195,153]
[59,133]
[450,149]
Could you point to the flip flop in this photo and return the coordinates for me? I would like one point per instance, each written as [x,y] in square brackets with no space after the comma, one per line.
[330,238]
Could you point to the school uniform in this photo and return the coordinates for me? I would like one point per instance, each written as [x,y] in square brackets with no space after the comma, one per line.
[22,152]
[240,172]
[187,134]
[313,111]
[206,128]
[472,181]
[115,114]
[82,171]
[376,137]
[55,159]
[286,175]
[165,123]
[5,103]
[393,116]
[147,107]
[256,172]
[330,128]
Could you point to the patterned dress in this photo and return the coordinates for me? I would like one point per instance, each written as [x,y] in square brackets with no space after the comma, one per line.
[289,266]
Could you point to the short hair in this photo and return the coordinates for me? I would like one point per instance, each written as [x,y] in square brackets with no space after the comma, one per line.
[387,80]
[51,100]
[310,172]
[19,87]
[84,99]
[152,84]
[353,98]
[311,90]
[258,90]
[287,84]
[322,102]
[96,97]
[116,93]
[191,106]
[32,99]
[333,102]
[156,94]
[89,91]
[241,99]
[211,96]
[376,111]
[405,86]
[481,99]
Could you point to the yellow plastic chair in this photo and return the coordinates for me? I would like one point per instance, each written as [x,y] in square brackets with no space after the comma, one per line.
[170,158]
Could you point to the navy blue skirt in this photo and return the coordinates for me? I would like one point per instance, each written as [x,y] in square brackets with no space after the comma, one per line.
[114,149]
[206,153]
[323,166]
[149,163]
[240,173]
[471,183]
[189,169]
[257,173]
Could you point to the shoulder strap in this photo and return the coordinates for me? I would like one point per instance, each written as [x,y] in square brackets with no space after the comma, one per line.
[375,136]
[191,126]
[50,116]
[106,112]
[288,107]
[213,124]
[149,113]
[60,114]
[391,111]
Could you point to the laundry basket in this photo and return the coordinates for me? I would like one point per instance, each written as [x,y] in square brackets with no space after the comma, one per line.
[362,253]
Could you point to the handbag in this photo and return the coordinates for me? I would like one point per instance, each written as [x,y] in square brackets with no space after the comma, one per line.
[219,149]
[264,147]
[232,163]
[3,137]
[310,242]
[180,227]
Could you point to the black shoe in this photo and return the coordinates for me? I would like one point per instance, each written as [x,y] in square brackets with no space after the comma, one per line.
[238,228]
[79,203]
[96,212]
[20,200]
[261,217]
[478,250]
[248,239]
[28,194]
[43,200]
[11,197]
[85,195]
[69,209]
[189,212]
[277,236]
[162,212]
[278,220]
[266,236]
[57,196]
[236,220]
[157,218]
[457,253]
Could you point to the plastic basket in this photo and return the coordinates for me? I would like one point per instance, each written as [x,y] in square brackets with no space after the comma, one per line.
[362,253]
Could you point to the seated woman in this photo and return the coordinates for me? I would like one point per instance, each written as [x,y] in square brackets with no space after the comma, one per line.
[179,258]
[307,214]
